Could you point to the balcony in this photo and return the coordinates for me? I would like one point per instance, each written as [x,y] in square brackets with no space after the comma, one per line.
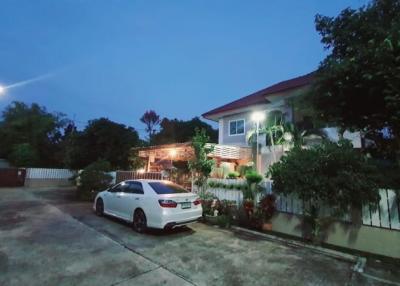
[230,152]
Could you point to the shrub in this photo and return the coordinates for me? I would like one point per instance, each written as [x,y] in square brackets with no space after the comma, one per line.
[330,174]
[224,221]
[267,206]
[231,186]
[252,177]
[217,172]
[212,184]
[243,170]
[94,178]
[206,196]
[233,175]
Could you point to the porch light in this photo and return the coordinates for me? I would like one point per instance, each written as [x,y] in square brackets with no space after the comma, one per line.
[172,153]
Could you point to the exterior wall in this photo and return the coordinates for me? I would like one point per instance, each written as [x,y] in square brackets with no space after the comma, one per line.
[238,140]
[4,163]
[38,183]
[371,236]
[220,134]
[363,238]
[241,140]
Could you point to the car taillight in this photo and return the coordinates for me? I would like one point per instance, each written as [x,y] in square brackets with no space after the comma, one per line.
[167,203]
[197,202]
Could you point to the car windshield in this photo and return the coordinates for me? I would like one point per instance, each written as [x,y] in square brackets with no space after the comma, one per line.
[167,188]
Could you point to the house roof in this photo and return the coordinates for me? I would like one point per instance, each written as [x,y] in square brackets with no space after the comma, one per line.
[260,96]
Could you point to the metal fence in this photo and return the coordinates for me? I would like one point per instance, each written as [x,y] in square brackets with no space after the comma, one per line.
[387,215]
[43,173]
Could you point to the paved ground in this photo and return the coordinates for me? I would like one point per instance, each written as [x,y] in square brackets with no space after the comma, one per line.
[47,238]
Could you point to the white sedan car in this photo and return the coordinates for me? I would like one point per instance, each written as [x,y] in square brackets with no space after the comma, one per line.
[149,203]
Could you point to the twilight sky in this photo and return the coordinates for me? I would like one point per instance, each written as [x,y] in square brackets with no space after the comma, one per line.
[118,58]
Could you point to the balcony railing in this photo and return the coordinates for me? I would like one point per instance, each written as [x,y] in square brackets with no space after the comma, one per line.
[231,152]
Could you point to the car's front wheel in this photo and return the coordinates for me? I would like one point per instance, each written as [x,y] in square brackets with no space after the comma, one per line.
[139,221]
[99,207]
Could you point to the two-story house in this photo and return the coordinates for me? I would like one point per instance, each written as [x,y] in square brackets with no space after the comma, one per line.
[235,118]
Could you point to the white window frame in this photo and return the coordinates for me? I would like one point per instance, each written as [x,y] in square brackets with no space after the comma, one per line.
[235,120]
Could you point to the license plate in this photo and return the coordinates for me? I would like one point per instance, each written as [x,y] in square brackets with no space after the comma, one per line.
[186,205]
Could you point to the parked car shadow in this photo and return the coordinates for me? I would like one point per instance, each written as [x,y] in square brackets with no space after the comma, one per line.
[181,230]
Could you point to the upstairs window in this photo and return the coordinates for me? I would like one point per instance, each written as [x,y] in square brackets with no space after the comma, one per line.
[236,127]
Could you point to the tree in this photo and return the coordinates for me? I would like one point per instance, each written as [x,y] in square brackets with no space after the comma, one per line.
[102,139]
[151,120]
[31,132]
[23,155]
[94,178]
[178,131]
[357,86]
[201,165]
[331,174]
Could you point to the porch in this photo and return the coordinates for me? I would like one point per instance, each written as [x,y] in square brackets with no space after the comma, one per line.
[164,157]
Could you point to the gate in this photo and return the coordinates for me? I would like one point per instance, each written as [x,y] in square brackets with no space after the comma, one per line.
[131,175]
[12,177]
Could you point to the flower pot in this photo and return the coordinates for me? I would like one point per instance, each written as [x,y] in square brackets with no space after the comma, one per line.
[267,226]
[211,219]
[248,205]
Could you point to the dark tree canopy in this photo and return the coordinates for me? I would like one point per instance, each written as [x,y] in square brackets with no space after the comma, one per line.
[151,119]
[102,139]
[358,84]
[30,135]
[178,131]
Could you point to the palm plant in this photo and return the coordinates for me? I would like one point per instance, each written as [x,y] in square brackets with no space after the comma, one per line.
[279,132]
[273,129]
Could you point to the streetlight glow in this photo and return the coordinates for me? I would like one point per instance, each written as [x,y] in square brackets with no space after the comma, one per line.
[258,116]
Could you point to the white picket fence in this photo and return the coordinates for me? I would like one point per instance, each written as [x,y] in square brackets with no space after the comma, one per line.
[43,173]
[235,194]
[386,216]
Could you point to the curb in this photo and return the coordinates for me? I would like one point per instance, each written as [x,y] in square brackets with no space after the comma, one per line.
[360,261]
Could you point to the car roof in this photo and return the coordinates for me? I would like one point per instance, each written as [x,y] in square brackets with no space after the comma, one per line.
[144,180]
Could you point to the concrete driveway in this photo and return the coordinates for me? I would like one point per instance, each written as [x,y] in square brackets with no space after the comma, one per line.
[47,238]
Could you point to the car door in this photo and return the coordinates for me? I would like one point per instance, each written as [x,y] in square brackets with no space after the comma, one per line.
[131,198]
[111,200]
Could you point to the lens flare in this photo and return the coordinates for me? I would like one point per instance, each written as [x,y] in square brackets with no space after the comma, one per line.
[28,81]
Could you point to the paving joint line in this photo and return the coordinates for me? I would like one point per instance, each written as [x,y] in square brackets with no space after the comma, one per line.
[134,276]
[121,243]
[116,241]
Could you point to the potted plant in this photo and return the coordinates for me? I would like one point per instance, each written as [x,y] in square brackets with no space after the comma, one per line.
[253,179]
[248,205]
[268,208]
